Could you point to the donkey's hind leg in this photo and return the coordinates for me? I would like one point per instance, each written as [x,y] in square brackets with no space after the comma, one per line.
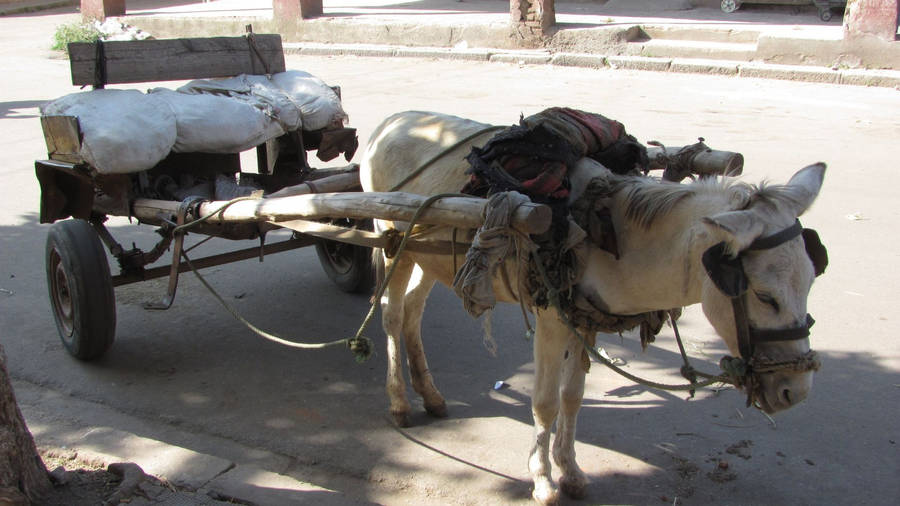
[573,481]
[413,307]
[392,302]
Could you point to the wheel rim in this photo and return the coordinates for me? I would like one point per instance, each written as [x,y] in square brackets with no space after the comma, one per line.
[729,5]
[340,256]
[61,296]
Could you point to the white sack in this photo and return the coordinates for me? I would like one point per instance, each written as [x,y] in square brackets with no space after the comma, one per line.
[217,124]
[123,130]
[256,91]
[319,104]
[294,98]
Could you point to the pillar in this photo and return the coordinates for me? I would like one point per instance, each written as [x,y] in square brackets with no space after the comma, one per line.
[538,16]
[296,9]
[871,17]
[102,9]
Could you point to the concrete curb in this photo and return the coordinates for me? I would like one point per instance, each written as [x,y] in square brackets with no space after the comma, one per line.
[858,77]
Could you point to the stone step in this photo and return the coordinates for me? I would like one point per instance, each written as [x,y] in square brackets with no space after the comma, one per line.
[667,48]
[703,33]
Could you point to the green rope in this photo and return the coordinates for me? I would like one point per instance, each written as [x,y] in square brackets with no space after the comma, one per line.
[414,174]
[553,295]
[425,205]
[406,235]
[360,346]
[179,229]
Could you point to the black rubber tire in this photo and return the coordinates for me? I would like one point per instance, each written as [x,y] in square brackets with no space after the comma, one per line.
[80,289]
[346,265]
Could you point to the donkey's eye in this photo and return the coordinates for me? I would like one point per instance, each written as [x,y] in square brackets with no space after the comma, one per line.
[767,299]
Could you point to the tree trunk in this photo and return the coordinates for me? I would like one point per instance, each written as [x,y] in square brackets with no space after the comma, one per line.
[23,477]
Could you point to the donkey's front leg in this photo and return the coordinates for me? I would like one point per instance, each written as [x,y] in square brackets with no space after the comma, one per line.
[550,340]
[573,481]
[413,307]
[392,320]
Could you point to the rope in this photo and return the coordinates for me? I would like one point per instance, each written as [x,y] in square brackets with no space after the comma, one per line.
[179,229]
[251,39]
[414,174]
[406,235]
[687,370]
[360,346]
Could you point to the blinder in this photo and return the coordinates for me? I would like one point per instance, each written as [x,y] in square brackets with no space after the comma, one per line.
[727,273]
[816,250]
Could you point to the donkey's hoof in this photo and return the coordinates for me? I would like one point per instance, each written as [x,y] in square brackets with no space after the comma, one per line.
[545,494]
[401,418]
[437,410]
[574,487]
[546,497]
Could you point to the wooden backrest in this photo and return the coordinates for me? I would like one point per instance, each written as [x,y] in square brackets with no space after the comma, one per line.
[138,61]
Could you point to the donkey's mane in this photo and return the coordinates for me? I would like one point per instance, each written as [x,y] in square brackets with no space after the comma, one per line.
[647,199]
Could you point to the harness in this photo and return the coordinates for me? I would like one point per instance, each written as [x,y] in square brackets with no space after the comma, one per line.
[727,273]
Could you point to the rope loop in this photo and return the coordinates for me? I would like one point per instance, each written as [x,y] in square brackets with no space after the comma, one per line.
[735,368]
[361,347]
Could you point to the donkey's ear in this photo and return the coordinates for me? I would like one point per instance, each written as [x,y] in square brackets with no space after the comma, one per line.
[803,188]
[737,228]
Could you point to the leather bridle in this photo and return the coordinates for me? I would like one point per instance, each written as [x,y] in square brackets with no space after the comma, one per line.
[727,273]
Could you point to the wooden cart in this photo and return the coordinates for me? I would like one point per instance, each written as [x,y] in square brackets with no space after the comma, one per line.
[78,273]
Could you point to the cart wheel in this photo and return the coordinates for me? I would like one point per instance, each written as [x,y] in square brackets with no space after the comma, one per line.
[825,14]
[730,6]
[347,265]
[81,291]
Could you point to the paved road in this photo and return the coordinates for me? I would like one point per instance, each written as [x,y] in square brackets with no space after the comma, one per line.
[198,380]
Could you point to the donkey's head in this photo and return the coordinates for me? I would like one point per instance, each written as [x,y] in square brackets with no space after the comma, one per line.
[760,270]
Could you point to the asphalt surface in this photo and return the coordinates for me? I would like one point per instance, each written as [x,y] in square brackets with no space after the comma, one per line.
[191,396]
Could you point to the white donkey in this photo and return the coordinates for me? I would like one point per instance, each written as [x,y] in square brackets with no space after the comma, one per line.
[663,231]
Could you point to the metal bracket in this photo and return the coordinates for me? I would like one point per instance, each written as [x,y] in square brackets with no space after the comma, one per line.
[167,301]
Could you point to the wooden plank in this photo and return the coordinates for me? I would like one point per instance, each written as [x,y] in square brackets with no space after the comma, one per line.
[371,239]
[63,137]
[338,233]
[330,184]
[138,61]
